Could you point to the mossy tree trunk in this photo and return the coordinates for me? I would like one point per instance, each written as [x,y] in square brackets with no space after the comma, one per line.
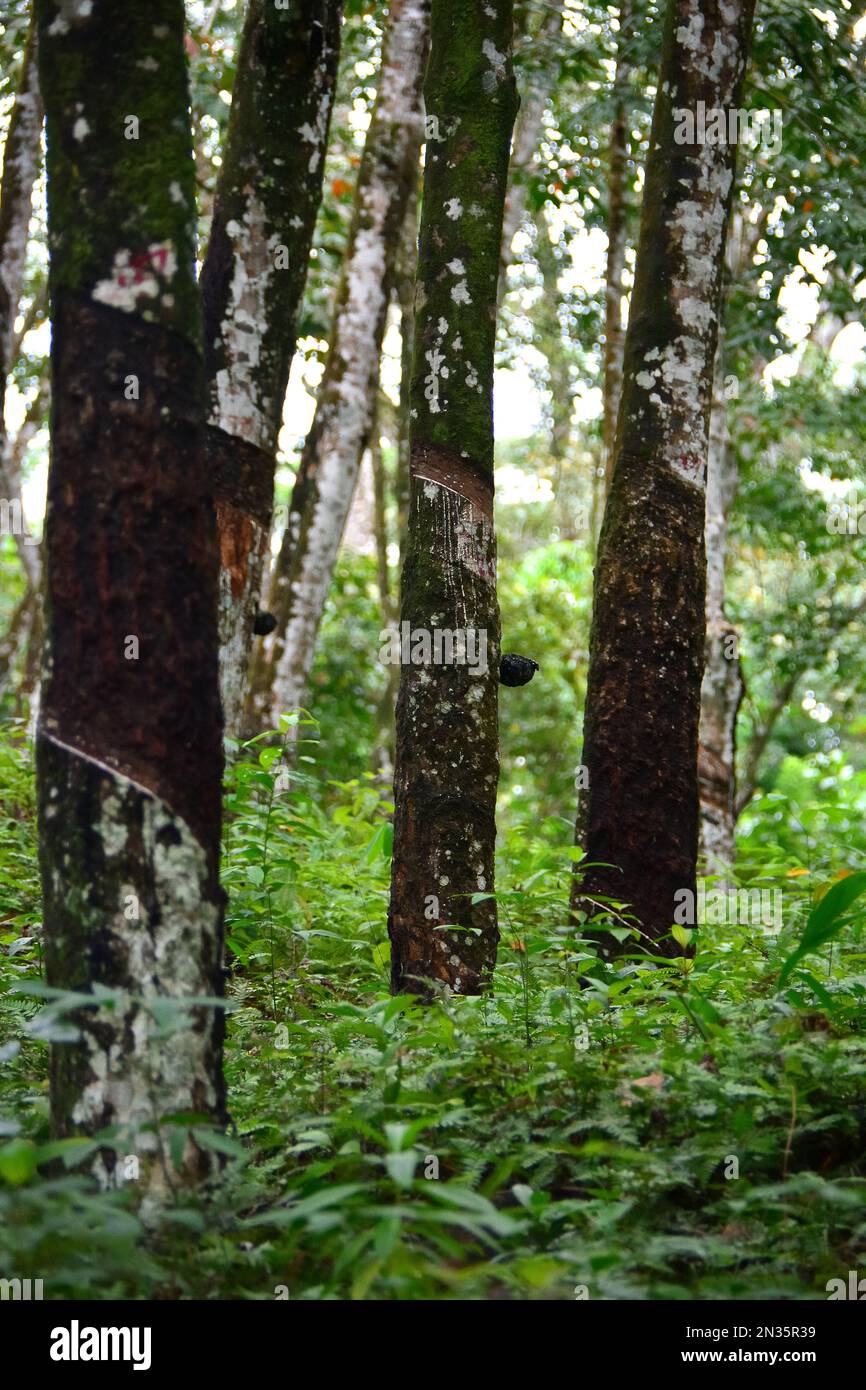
[252,282]
[647,640]
[129,753]
[332,453]
[447,763]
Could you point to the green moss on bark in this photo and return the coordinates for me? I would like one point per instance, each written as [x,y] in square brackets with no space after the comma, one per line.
[100,64]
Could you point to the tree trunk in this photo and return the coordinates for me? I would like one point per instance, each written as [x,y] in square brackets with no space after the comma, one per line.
[447,730]
[334,447]
[617,214]
[549,329]
[722,688]
[129,752]
[252,282]
[647,640]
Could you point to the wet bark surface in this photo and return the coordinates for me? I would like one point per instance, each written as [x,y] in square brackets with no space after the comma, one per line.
[647,641]
[447,736]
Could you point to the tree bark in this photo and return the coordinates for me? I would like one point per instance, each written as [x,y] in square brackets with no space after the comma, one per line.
[334,447]
[252,283]
[447,736]
[647,640]
[129,751]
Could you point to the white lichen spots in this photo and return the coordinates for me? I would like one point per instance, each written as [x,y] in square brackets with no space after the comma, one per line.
[430,491]
[460,293]
[111,828]
[80,129]
[457,345]
[497,69]
[239,406]
[175,192]
[137,276]
[443,327]
[148,64]
[645,379]
[68,12]
[453,209]
[695,313]
[689,35]
[456,267]
[315,134]
[131,1067]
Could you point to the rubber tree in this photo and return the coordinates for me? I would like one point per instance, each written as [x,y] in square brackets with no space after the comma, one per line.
[331,457]
[447,761]
[252,282]
[129,748]
[647,638]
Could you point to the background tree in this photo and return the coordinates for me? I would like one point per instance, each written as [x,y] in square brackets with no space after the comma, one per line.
[447,762]
[328,469]
[252,282]
[646,647]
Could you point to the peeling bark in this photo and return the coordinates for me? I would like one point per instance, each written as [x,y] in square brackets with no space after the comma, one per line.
[252,283]
[647,640]
[447,729]
[129,751]
[333,449]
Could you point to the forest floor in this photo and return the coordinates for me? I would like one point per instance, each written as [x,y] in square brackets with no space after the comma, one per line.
[643,1130]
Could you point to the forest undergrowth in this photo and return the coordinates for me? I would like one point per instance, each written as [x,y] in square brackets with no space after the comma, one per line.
[639,1129]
